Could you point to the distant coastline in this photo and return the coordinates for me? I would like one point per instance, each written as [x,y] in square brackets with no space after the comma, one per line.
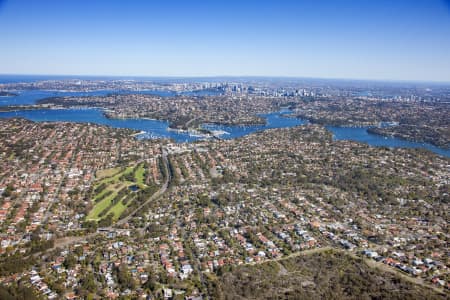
[7,94]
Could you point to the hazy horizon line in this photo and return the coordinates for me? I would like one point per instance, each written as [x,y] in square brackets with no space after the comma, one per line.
[234,76]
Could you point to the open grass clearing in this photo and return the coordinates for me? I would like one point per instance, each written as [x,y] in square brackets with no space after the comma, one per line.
[101,174]
[111,182]
[99,207]
[139,175]
[118,209]
[115,178]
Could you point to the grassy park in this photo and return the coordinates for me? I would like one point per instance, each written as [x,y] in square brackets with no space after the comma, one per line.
[112,193]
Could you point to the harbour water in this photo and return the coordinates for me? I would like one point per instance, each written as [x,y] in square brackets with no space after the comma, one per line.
[273,120]
[31,96]
[360,134]
[150,128]
[160,129]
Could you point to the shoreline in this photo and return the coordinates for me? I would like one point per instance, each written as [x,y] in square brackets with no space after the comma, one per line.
[440,150]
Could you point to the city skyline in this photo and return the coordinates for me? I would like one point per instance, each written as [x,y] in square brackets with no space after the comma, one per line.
[224,149]
[365,41]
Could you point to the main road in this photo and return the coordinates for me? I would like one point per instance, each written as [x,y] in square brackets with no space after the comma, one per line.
[65,241]
[155,196]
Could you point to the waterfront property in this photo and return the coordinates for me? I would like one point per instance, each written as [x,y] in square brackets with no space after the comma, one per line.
[160,129]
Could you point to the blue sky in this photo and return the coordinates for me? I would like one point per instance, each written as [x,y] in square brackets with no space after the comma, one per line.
[364,39]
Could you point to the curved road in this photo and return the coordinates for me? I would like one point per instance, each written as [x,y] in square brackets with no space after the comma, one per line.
[156,195]
[65,241]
